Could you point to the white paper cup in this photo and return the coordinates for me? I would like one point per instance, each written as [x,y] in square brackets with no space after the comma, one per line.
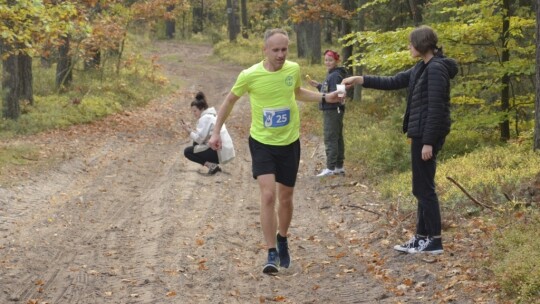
[340,88]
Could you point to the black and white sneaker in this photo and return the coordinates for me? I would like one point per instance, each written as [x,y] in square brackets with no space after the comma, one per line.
[339,171]
[429,245]
[213,169]
[410,244]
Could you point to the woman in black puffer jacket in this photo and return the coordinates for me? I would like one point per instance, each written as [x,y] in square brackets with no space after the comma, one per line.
[426,122]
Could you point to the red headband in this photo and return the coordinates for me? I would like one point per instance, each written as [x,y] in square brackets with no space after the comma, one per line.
[332,54]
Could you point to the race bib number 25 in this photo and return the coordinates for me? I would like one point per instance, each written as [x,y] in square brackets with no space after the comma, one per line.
[276,117]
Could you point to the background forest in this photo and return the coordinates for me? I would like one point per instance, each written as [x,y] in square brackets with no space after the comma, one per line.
[71,62]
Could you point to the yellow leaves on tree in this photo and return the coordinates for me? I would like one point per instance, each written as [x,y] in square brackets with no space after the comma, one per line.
[315,10]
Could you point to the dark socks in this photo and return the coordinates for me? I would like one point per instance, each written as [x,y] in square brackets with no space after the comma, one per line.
[281,238]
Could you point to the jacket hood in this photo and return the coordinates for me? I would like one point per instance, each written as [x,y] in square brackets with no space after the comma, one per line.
[209,111]
[450,64]
[341,70]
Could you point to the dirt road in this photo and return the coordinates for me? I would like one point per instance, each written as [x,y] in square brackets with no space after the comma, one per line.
[124,218]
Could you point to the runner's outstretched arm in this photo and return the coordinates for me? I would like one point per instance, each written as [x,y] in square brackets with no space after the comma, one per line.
[223,113]
[311,96]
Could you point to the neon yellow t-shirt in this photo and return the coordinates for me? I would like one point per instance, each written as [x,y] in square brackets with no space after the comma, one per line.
[275,119]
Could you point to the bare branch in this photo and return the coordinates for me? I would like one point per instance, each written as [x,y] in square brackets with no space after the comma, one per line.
[468,195]
[365,209]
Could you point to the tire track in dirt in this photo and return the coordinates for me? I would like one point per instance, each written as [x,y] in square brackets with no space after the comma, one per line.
[89,206]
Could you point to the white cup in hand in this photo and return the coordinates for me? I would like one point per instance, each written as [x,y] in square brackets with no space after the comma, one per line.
[340,88]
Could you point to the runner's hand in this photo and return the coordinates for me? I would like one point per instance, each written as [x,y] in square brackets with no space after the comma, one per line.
[334,98]
[215,142]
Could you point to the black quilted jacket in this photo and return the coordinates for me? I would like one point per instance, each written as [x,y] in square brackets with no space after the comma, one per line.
[428,101]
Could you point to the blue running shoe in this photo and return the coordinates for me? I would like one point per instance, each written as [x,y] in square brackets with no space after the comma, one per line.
[271,266]
[283,250]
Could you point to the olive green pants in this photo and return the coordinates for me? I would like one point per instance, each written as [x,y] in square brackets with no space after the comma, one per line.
[333,138]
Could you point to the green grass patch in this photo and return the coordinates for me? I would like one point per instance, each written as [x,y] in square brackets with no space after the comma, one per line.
[93,94]
[244,52]
[516,257]
[20,155]
[489,174]
[373,136]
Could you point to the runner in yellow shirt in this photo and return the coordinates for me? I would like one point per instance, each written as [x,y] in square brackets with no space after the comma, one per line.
[273,86]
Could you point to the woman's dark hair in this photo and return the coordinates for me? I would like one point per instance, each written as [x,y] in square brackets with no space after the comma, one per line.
[200,102]
[424,39]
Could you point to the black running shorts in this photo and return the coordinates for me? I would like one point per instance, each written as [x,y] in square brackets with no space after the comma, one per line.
[282,161]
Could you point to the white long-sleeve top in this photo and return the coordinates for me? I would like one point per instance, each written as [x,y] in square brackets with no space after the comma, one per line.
[202,134]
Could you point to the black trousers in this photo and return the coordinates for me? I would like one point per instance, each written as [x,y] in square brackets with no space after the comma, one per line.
[423,188]
[208,155]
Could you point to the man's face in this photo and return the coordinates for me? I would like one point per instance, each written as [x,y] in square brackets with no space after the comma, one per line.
[276,49]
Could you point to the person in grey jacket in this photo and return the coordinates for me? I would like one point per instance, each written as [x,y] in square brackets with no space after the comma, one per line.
[200,152]
[332,116]
[426,122]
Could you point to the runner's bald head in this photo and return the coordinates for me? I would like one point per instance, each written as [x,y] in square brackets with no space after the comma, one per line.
[272,32]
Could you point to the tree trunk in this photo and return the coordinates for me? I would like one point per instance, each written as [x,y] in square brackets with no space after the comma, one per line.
[45,58]
[245,19]
[93,61]
[359,70]
[10,78]
[120,53]
[327,31]
[25,87]
[346,28]
[301,43]
[183,28]
[170,24]
[308,41]
[232,20]
[536,145]
[505,57]
[198,19]
[63,68]
[92,52]
[416,12]
[10,86]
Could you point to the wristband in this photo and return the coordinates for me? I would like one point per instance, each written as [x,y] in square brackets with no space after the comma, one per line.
[323,98]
